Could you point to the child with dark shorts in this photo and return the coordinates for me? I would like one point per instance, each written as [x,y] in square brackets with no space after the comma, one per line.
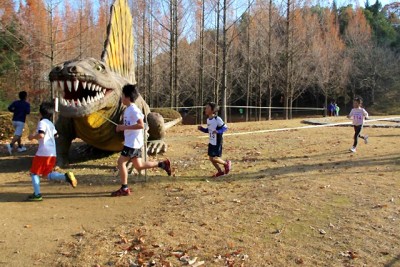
[215,128]
[133,141]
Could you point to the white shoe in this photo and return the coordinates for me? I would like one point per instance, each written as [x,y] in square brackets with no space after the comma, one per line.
[21,149]
[9,149]
[353,149]
[366,139]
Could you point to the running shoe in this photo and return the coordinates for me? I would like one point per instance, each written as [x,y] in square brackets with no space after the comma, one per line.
[121,192]
[228,166]
[70,177]
[21,149]
[353,149]
[219,174]
[366,139]
[34,197]
[167,166]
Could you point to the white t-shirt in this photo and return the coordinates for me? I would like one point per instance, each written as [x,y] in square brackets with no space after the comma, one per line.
[47,145]
[133,138]
[358,115]
[212,125]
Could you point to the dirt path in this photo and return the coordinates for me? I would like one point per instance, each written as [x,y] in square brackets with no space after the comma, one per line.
[295,197]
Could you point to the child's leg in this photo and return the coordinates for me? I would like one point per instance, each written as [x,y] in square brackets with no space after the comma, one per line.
[216,161]
[56,176]
[123,171]
[357,130]
[36,183]
[139,164]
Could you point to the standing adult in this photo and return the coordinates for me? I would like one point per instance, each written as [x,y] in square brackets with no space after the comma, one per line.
[20,108]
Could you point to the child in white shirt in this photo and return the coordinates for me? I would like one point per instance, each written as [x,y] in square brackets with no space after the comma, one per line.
[357,114]
[133,141]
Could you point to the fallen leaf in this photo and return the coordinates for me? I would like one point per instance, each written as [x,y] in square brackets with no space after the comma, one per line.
[322,231]
[299,261]
[27,226]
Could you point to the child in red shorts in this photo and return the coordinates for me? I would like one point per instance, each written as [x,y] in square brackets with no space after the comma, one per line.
[45,158]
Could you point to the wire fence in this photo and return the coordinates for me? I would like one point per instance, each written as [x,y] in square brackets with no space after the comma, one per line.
[195,114]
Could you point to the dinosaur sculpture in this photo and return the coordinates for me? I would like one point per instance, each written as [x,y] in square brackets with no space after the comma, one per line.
[90,93]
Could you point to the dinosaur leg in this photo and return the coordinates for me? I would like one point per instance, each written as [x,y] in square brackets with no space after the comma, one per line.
[156,133]
[66,134]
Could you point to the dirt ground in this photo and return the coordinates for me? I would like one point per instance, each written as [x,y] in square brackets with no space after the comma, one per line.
[293,198]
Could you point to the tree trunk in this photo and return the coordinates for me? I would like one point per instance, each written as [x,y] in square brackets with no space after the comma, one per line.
[224,56]
[216,71]
[269,68]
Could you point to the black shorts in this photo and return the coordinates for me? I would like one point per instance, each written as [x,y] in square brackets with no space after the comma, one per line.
[131,152]
[215,151]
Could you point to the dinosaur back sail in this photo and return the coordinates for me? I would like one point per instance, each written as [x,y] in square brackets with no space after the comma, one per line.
[118,47]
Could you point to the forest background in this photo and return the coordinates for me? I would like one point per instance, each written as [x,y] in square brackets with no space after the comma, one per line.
[259,53]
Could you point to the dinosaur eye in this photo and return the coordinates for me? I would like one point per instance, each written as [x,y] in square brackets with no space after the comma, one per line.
[100,67]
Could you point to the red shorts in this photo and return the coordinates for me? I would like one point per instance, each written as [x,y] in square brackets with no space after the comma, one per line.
[43,165]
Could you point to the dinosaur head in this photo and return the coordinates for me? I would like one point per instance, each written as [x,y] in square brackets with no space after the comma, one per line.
[86,86]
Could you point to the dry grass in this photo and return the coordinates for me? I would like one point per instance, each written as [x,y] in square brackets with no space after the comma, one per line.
[293,198]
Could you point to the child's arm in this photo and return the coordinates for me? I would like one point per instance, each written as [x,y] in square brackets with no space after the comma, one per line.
[201,128]
[221,126]
[222,129]
[37,136]
[365,113]
[139,125]
[350,115]
[11,107]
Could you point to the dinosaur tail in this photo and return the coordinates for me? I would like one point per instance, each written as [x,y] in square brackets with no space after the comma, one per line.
[172,123]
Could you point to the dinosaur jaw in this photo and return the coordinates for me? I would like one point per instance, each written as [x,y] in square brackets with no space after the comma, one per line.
[80,98]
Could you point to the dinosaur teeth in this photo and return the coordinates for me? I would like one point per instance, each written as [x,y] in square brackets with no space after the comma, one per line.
[76,85]
[62,86]
[104,91]
[91,99]
[89,85]
[72,103]
[78,103]
[83,102]
[69,86]
[55,85]
[93,87]
[83,85]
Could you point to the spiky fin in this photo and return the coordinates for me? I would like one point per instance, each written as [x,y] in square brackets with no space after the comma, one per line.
[118,47]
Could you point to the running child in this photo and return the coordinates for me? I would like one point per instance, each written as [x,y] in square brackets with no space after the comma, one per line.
[357,114]
[215,128]
[20,108]
[45,158]
[133,141]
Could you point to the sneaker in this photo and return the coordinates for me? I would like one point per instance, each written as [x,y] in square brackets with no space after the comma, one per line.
[21,149]
[167,166]
[9,149]
[218,174]
[70,177]
[228,166]
[353,149]
[34,197]
[121,193]
[366,139]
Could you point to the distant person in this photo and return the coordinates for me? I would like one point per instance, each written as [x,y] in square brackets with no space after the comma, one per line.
[215,128]
[20,108]
[358,114]
[337,109]
[331,109]
[133,141]
[45,158]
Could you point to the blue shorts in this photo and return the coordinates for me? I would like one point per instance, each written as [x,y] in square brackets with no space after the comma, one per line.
[214,151]
[19,127]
